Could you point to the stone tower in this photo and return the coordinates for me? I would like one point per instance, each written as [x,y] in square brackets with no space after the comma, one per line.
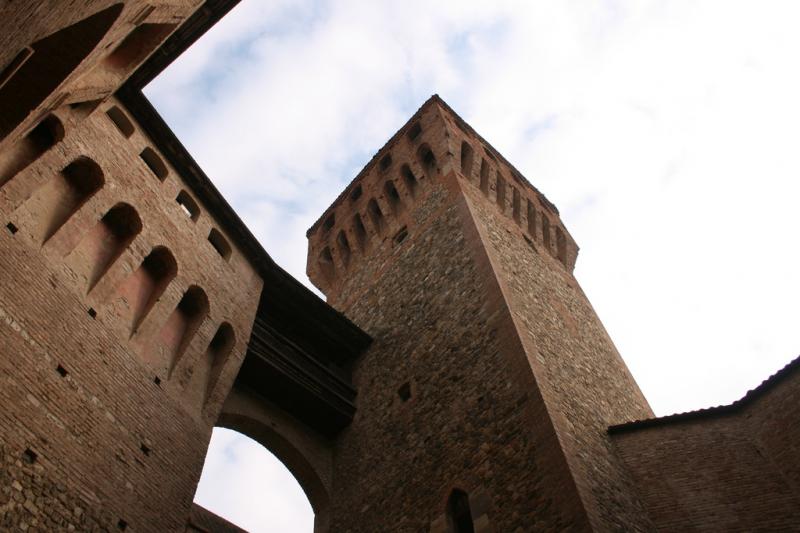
[490,384]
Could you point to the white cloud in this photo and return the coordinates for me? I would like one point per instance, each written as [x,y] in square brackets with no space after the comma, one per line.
[665,131]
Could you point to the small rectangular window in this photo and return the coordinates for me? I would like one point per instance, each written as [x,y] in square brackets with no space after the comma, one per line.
[220,244]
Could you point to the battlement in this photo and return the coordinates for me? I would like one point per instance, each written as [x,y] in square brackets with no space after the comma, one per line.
[377,211]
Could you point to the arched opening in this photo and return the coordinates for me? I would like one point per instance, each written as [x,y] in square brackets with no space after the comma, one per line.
[54,203]
[343,245]
[466,159]
[188,205]
[52,60]
[246,482]
[410,180]
[459,515]
[427,159]
[145,286]
[207,370]
[154,163]
[376,215]
[179,330]
[392,196]
[39,140]
[103,245]
[306,455]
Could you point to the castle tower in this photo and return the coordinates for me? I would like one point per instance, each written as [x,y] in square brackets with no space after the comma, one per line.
[485,398]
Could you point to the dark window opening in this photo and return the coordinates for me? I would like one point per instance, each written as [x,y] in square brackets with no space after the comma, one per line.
[426,158]
[561,246]
[29,456]
[386,162]
[329,222]
[404,392]
[466,159]
[531,219]
[459,513]
[546,233]
[501,192]
[414,131]
[154,163]
[121,121]
[188,205]
[356,194]
[401,235]
[220,244]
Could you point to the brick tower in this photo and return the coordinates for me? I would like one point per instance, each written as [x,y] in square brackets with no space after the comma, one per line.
[487,392]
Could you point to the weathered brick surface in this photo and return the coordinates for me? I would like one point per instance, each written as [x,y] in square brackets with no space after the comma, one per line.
[109,439]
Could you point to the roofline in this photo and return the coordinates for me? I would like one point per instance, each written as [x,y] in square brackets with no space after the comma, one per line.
[435,98]
[736,407]
[276,279]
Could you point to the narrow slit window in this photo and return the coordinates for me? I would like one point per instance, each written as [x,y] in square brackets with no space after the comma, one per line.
[561,246]
[121,121]
[466,159]
[401,235]
[515,205]
[154,163]
[329,222]
[220,244]
[188,205]
[356,193]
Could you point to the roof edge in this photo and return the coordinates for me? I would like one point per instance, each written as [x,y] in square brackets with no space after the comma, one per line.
[717,411]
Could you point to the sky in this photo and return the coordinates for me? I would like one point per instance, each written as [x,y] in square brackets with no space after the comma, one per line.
[666,132]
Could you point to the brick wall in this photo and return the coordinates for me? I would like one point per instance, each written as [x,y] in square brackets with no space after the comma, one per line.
[118,411]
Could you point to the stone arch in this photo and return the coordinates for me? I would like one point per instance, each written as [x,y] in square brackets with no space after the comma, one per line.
[47,64]
[426,159]
[142,289]
[180,328]
[305,454]
[55,202]
[46,134]
[105,243]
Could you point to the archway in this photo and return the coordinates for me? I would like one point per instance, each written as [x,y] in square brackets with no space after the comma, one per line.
[41,68]
[306,455]
[244,483]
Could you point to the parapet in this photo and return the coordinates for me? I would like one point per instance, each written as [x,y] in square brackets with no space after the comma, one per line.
[378,209]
